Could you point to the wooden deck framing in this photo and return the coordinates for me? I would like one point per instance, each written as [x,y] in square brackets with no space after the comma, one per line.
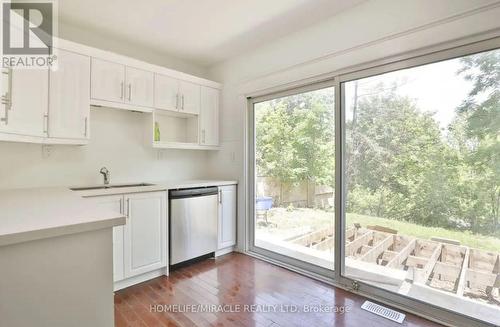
[438,263]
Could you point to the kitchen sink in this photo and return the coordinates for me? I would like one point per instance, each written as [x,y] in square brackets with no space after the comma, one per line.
[130,185]
[103,187]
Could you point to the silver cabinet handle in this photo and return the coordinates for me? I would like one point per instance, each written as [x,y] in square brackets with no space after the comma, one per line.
[177,101]
[7,97]
[9,89]
[220,196]
[86,126]
[128,209]
[183,102]
[129,91]
[6,103]
[46,123]
[121,90]
[203,135]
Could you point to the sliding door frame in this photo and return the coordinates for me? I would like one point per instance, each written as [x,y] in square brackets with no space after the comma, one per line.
[301,265]
[338,278]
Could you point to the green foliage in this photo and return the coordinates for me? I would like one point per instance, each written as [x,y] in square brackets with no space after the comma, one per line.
[294,138]
[399,163]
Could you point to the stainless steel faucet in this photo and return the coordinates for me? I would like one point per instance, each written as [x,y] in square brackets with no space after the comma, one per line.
[105,172]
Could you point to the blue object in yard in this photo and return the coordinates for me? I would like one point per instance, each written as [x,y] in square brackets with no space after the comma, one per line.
[264,203]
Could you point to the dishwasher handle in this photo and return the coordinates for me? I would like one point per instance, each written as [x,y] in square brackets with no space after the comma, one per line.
[193,192]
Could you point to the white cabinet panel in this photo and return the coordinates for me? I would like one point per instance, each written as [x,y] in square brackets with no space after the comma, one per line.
[190,97]
[29,92]
[139,88]
[209,116]
[69,97]
[108,80]
[227,216]
[166,93]
[115,203]
[145,233]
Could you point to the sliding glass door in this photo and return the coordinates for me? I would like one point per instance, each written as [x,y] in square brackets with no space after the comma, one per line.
[293,177]
[422,183]
[401,200]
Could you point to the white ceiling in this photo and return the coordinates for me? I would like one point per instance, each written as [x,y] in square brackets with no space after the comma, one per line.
[201,31]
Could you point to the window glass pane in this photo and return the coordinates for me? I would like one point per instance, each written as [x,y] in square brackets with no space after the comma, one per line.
[423,183]
[294,158]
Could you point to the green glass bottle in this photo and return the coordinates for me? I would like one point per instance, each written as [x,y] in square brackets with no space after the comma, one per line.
[157,132]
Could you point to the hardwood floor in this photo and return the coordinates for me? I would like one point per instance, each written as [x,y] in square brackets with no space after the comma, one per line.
[237,279]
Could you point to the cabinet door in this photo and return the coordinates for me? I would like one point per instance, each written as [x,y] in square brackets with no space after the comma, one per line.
[209,116]
[28,92]
[190,97]
[145,233]
[69,97]
[166,93]
[107,80]
[227,216]
[139,88]
[115,203]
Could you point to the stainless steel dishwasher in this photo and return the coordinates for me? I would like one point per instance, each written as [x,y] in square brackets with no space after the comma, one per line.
[193,223]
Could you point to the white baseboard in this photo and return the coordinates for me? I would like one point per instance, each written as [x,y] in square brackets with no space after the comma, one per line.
[121,284]
[218,253]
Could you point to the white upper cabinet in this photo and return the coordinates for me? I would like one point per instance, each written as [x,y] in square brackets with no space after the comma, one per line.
[108,80]
[69,97]
[53,107]
[209,116]
[121,84]
[166,93]
[139,88]
[189,97]
[24,102]
[145,243]
[227,217]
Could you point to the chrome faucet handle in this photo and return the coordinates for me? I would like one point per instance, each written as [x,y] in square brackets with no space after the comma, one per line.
[105,172]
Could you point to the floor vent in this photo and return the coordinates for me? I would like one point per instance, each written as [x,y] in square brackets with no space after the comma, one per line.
[383,312]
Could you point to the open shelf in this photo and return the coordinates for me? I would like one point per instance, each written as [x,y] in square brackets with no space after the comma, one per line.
[177,131]
[175,128]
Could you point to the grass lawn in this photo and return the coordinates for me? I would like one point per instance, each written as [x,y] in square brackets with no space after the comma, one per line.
[299,218]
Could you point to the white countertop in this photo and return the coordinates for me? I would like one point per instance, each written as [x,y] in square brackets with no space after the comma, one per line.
[32,214]
[157,186]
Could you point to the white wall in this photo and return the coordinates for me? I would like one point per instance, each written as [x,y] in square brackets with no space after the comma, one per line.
[117,142]
[116,138]
[372,30]
[98,40]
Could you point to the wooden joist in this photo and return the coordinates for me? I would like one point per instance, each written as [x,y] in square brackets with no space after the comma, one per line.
[382,229]
[422,275]
[325,245]
[463,271]
[310,238]
[480,279]
[350,232]
[378,249]
[414,261]
[398,260]
[352,247]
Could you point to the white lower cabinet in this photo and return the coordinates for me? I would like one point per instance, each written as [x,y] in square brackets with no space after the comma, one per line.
[140,246]
[145,246]
[227,217]
[115,203]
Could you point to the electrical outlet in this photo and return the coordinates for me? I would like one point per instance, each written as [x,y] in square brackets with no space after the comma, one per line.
[46,151]
[232,156]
